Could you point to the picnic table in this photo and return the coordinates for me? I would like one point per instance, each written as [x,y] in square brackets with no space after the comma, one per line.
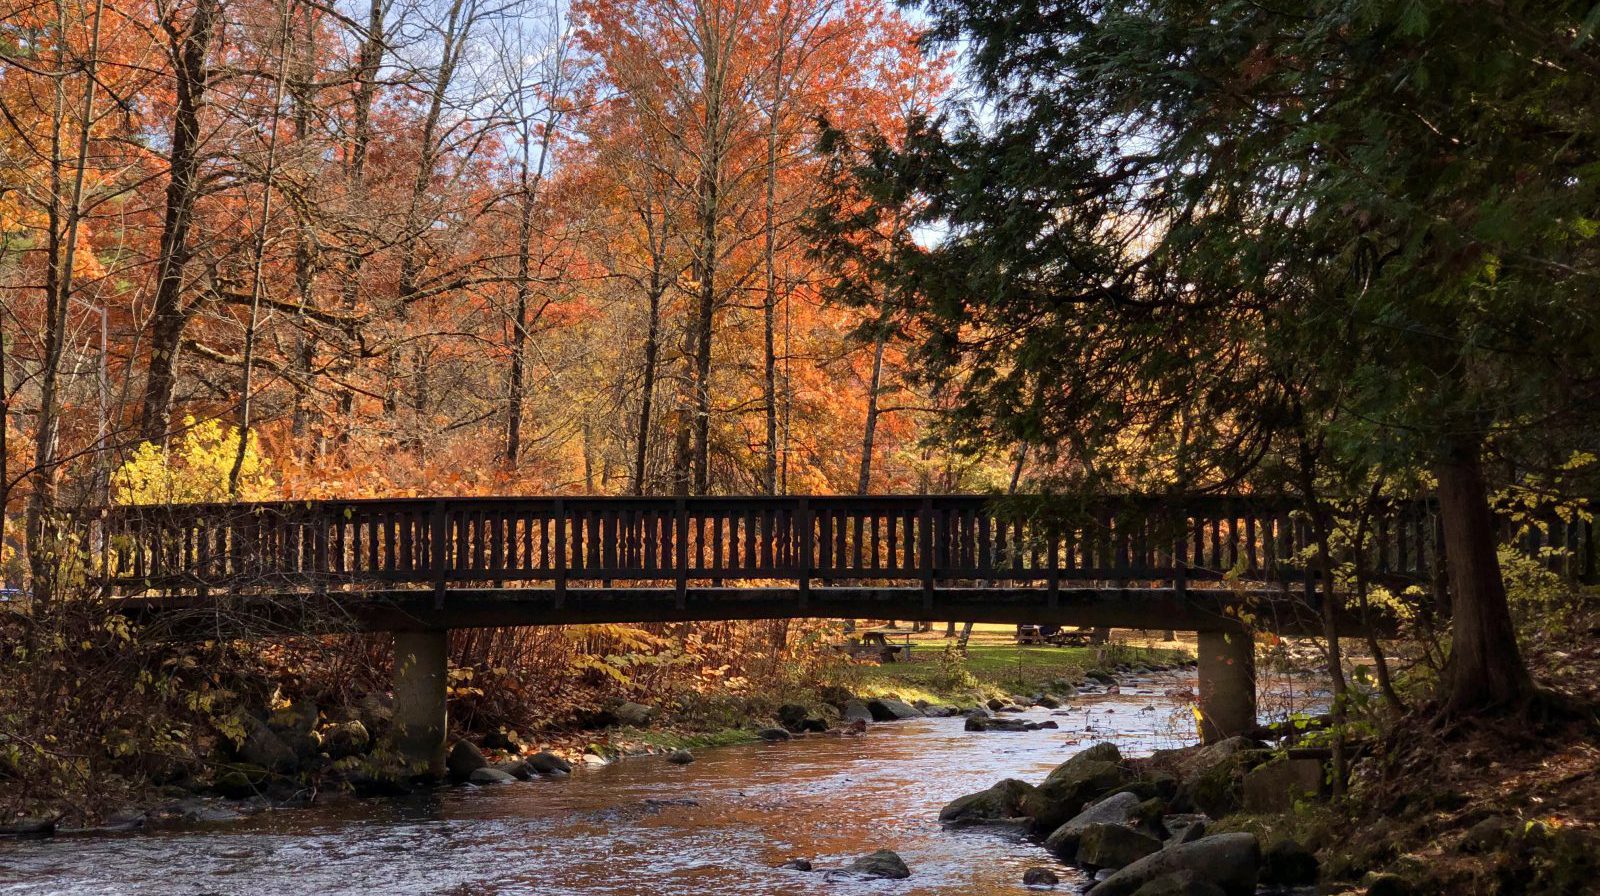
[1052,634]
[876,642]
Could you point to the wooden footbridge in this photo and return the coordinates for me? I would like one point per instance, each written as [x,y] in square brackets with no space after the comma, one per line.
[420,567]
[458,562]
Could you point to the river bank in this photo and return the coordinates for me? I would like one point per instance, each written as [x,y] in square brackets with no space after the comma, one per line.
[1494,804]
[725,823]
[295,753]
[1494,811]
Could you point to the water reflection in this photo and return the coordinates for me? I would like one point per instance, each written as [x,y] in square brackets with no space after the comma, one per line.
[642,827]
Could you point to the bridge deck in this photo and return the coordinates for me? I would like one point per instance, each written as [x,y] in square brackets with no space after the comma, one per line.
[1192,609]
[1155,561]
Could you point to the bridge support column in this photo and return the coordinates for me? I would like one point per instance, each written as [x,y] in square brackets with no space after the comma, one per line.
[420,674]
[1227,684]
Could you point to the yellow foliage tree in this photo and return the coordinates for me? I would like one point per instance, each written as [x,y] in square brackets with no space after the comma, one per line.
[194,469]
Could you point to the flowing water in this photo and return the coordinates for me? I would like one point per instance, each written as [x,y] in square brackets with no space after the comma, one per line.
[722,825]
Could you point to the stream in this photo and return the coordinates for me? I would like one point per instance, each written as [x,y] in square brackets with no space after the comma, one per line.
[721,825]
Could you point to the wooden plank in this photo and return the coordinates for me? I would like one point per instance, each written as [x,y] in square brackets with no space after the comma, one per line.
[559,523]
[718,560]
[681,552]
[803,577]
[926,559]
[439,524]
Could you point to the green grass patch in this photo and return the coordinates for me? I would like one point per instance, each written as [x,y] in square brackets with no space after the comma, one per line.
[992,670]
[666,739]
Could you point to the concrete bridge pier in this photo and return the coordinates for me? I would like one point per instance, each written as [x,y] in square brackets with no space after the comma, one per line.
[420,677]
[1227,684]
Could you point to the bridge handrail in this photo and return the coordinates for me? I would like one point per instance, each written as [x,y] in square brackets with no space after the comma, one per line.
[440,542]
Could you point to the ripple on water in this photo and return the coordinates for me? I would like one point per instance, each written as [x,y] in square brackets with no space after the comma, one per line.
[643,827]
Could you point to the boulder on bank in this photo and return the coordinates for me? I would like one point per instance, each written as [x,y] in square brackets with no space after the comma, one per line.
[375,711]
[1101,752]
[464,759]
[884,864]
[299,717]
[981,721]
[503,740]
[1075,784]
[296,726]
[773,735]
[1193,761]
[375,779]
[516,768]
[1277,785]
[29,827]
[548,764]
[1004,802]
[1182,883]
[347,738]
[792,716]
[1184,828]
[1114,809]
[1286,863]
[484,777]
[1230,862]
[1390,885]
[1040,877]
[888,709]
[856,711]
[1113,846]
[262,746]
[637,715]
[1212,777]
[239,782]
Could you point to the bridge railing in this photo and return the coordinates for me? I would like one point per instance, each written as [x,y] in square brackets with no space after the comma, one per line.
[888,540]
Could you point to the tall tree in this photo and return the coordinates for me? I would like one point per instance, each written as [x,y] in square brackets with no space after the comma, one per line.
[189,34]
[537,67]
[1211,212]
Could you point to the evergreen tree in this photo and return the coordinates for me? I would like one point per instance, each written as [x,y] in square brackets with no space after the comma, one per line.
[1242,219]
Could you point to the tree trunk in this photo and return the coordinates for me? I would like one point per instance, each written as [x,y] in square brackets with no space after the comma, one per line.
[62,239]
[305,347]
[5,428]
[455,35]
[869,433]
[1380,661]
[519,324]
[369,59]
[1485,671]
[652,348]
[532,177]
[683,434]
[704,314]
[1330,605]
[190,47]
[258,264]
[715,38]
[769,306]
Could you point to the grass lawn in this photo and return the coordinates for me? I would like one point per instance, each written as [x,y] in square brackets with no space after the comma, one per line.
[995,664]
